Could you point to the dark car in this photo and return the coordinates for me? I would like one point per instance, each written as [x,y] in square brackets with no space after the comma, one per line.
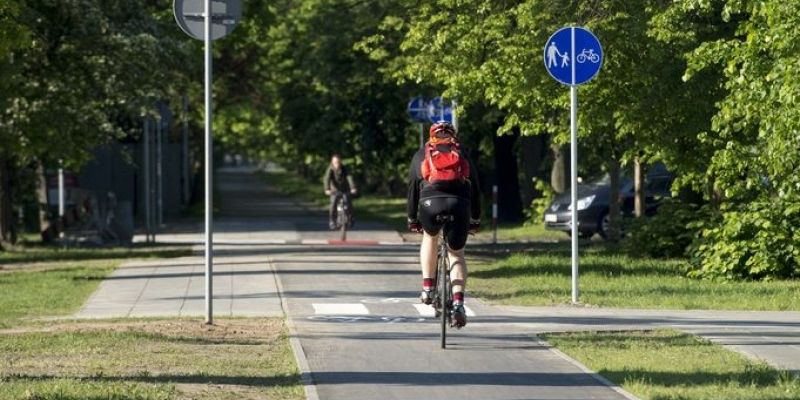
[593,202]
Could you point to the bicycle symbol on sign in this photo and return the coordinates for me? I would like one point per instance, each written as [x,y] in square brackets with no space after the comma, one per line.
[588,54]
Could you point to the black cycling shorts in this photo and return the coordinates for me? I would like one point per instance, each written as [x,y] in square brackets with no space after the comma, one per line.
[456,231]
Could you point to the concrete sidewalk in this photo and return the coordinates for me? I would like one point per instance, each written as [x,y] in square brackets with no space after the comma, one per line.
[244,286]
[254,220]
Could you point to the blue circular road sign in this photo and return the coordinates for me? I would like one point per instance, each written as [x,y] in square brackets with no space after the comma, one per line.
[418,109]
[439,111]
[573,55]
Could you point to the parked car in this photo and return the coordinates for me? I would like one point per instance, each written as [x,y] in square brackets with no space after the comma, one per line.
[594,198]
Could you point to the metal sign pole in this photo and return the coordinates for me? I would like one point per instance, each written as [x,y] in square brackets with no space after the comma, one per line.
[421,134]
[159,172]
[574,188]
[146,172]
[209,159]
[567,67]
[196,18]
[573,94]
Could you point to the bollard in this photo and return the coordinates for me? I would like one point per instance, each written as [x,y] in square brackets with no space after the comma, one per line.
[494,214]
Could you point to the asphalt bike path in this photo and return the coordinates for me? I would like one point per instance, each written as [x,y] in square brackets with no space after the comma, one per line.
[365,336]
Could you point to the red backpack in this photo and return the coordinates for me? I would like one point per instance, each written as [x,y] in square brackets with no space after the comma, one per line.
[443,162]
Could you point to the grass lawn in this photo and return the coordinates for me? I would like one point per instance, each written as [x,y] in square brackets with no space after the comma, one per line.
[666,364]
[521,233]
[150,359]
[125,359]
[541,276]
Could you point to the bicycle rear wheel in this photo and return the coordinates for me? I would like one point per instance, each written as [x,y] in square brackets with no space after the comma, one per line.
[444,291]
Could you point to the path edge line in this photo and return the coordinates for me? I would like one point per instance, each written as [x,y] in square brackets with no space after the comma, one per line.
[600,378]
[297,348]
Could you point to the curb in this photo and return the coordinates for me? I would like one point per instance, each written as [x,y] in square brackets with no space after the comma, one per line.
[611,385]
[297,348]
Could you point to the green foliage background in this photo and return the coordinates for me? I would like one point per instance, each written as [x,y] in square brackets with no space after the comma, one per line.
[706,86]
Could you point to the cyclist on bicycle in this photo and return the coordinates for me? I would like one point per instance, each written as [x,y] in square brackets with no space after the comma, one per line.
[337,181]
[442,181]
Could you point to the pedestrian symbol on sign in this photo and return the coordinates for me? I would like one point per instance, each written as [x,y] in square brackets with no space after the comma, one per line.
[552,52]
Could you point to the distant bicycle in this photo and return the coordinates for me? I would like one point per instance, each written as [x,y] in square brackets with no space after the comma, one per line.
[588,54]
[344,214]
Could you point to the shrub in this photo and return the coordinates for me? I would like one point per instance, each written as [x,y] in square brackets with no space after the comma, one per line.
[760,240]
[669,233]
[537,208]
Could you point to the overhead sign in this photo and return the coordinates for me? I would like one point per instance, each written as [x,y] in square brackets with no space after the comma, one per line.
[418,109]
[573,55]
[225,15]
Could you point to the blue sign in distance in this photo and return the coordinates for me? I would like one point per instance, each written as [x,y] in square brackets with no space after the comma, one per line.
[439,111]
[418,109]
[573,55]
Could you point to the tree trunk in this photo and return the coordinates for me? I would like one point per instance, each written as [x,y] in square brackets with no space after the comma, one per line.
[507,177]
[558,175]
[8,234]
[534,150]
[638,187]
[613,201]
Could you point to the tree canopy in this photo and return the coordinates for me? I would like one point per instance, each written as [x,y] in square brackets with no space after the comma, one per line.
[704,86]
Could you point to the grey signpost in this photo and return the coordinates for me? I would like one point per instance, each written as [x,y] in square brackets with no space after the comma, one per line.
[159,174]
[208,20]
[146,173]
[573,56]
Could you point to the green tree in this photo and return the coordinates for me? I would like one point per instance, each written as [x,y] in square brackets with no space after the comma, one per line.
[83,66]
[753,164]
[307,91]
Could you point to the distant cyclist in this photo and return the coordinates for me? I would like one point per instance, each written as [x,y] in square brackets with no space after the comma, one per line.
[442,181]
[337,181]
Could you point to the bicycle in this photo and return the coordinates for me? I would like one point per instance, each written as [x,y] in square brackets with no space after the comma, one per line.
[343,214]
[588,54]
[443,298]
